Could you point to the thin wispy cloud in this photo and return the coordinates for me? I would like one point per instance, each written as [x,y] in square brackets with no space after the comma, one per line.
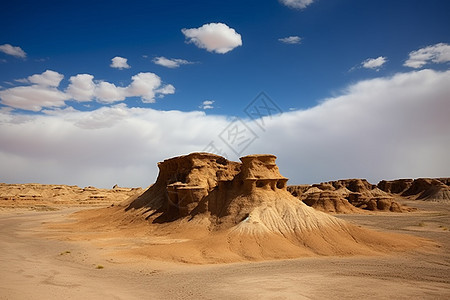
[438,53]
[298,4]
[374,63]
[171,63]
[207,104]
[291,40]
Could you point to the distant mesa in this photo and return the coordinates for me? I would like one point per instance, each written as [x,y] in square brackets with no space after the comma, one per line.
[33,195]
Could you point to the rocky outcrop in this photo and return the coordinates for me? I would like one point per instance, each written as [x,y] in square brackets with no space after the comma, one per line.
[32,194]
[429,189]
[207,183]
[397,186]
[347,196]
[329,201]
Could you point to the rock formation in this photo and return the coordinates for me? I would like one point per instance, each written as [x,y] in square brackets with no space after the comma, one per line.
[228,211]
[207,183]
[44,195]
[430,189]
[347,196]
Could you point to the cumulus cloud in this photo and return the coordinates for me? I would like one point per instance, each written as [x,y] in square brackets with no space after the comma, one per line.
[214,37]
[33,98]
[299,4]
[146,86]
[106,92]
[48,78]
[291,40]
[12,50]
[170,62]
[438,53]
[207,104]
[81,87]
[381,128]
[44,92]
[119,63]
[374,63]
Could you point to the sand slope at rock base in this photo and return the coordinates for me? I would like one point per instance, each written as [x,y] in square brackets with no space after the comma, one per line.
[276,230]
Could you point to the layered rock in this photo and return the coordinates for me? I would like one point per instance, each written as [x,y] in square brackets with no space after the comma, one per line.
[430,189]
[207,183]
[32,194]
[347,196]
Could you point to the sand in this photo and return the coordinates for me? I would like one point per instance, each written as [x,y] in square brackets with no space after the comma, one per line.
[41,261]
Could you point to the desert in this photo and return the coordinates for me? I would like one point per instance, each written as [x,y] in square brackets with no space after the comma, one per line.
[279,149]
[213,228]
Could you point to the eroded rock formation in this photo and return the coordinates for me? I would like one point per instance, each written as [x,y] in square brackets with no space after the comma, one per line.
[223,210]
[430,189]
[207,183]
[347,196]
[42,195]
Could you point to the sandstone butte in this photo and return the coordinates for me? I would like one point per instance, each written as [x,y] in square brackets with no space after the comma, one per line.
[206,209]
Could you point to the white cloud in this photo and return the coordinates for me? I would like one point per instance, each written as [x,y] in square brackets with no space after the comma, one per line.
[207,104]
[382,128]
[12,50]
[44,93]
[214,37]
[291,40]
[48,78]
[33,97]
[81,87]
[146,86]
[374,63]
[170,62]
[106,92]
[299,4]
[22,80]
[119,63]
[438,53]
[167,89]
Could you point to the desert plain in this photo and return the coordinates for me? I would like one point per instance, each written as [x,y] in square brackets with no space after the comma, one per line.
[213,229]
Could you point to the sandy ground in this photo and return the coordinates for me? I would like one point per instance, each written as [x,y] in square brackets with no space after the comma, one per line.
[36,266]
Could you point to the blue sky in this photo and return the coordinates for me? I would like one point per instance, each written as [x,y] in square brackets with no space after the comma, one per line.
[304,54]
